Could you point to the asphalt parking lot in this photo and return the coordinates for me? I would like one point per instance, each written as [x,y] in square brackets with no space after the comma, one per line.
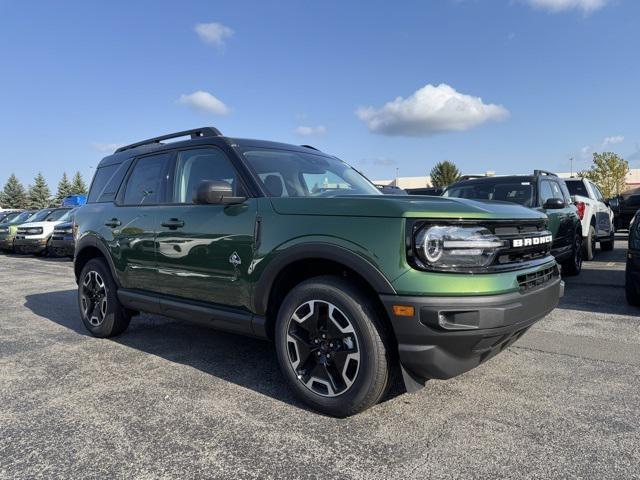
[169,399]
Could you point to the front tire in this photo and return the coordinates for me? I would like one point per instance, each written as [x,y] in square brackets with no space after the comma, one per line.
[101,311]
[607,245]
[573,266]
[332,346]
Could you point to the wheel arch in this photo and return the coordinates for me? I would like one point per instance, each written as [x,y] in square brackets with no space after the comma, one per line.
[301,262]
[90,247]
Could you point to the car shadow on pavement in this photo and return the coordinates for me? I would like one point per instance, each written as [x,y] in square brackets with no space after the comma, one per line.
[245,361]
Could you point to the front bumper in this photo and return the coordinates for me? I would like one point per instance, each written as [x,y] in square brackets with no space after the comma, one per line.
[6,243]
[30,245]
[493,323]
[64,247]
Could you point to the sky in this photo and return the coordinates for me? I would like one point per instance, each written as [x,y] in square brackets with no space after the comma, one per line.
[390,87]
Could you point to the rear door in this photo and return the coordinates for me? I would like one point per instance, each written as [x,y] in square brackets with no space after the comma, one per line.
[134,222]
[204,251]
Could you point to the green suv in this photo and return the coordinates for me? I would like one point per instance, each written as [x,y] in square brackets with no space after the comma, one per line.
[543,191]
[289,244]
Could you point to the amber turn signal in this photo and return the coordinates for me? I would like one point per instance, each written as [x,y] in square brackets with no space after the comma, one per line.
[403,310]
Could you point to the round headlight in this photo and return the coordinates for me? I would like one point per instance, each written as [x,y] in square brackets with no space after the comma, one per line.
[432,245]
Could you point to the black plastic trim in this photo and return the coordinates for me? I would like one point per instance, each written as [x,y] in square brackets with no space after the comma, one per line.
[219,317]
[93,241]
[316,250]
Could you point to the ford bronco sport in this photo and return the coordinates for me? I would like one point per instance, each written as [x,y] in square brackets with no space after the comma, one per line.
[289,244]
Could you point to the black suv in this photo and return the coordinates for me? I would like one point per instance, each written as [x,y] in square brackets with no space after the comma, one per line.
[542,191]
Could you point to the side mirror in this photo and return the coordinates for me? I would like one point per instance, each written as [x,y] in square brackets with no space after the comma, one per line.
[215,192]
[553,204]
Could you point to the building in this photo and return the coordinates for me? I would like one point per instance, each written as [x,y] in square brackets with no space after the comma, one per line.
[633,180]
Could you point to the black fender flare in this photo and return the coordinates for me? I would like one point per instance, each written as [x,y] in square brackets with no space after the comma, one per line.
[322,251]
[93,241]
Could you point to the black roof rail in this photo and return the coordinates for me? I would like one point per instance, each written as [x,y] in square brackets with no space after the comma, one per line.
[469,177]
[538,173]
[194,133]
[309,146]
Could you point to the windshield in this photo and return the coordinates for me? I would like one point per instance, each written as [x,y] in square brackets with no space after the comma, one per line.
[23,217]
[286,173]
[506,190]
[40,215]
[576,187]
[68,217]
[7,217]
[56,215]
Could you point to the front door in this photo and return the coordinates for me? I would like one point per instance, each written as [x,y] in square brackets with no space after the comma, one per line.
[204,251]
[559,219]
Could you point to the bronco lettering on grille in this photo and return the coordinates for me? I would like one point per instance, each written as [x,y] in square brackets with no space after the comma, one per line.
[531,241]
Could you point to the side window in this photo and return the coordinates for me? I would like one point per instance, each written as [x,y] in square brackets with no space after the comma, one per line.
[565,193]
[144,185]
[194,166]
[546,192]
[557,192]
[99,182]
[597,192]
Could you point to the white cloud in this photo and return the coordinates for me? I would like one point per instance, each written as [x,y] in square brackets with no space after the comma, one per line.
[106,147]
[304,131]
[612,140]
[204,102]
[430,110]
[554,6]
[213,33]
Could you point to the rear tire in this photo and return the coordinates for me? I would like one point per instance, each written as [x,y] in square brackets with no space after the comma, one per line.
[573,266]
[589,244]
[332,346]
[631,290]
[607,245]
[101,311]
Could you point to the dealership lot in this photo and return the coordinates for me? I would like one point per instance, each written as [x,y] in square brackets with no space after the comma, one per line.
[171,399]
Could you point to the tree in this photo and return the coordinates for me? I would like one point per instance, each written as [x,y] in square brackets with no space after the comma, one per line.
[13,194]
[39,193]
[444,174]
[64,189]
[608,172]
[78,187]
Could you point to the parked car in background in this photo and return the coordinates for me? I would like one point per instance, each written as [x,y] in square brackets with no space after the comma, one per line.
[432,191]
[34,236]
[595,214]
[391,190]
[286,243]
[542,191]
[7,215]
[632,271]
[8,229]
[62,242]
[628,205]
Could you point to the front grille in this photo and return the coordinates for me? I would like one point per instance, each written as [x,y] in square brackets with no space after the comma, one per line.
[511,255]
[535,279]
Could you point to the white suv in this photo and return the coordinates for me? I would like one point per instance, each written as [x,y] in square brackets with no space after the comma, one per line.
[33,237]
[595,214]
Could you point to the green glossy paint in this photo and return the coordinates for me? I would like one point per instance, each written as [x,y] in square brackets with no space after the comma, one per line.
[195,261]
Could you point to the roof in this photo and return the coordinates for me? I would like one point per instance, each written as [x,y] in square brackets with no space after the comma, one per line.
[197,138]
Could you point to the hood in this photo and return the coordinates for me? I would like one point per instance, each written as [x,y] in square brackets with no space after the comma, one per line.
[44,225]
[412,206]
[64,225]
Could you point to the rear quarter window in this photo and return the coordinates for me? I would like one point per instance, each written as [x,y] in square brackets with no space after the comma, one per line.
[106,182]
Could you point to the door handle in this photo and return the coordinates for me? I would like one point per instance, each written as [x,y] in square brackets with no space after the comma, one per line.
[173,223]
[113,223]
